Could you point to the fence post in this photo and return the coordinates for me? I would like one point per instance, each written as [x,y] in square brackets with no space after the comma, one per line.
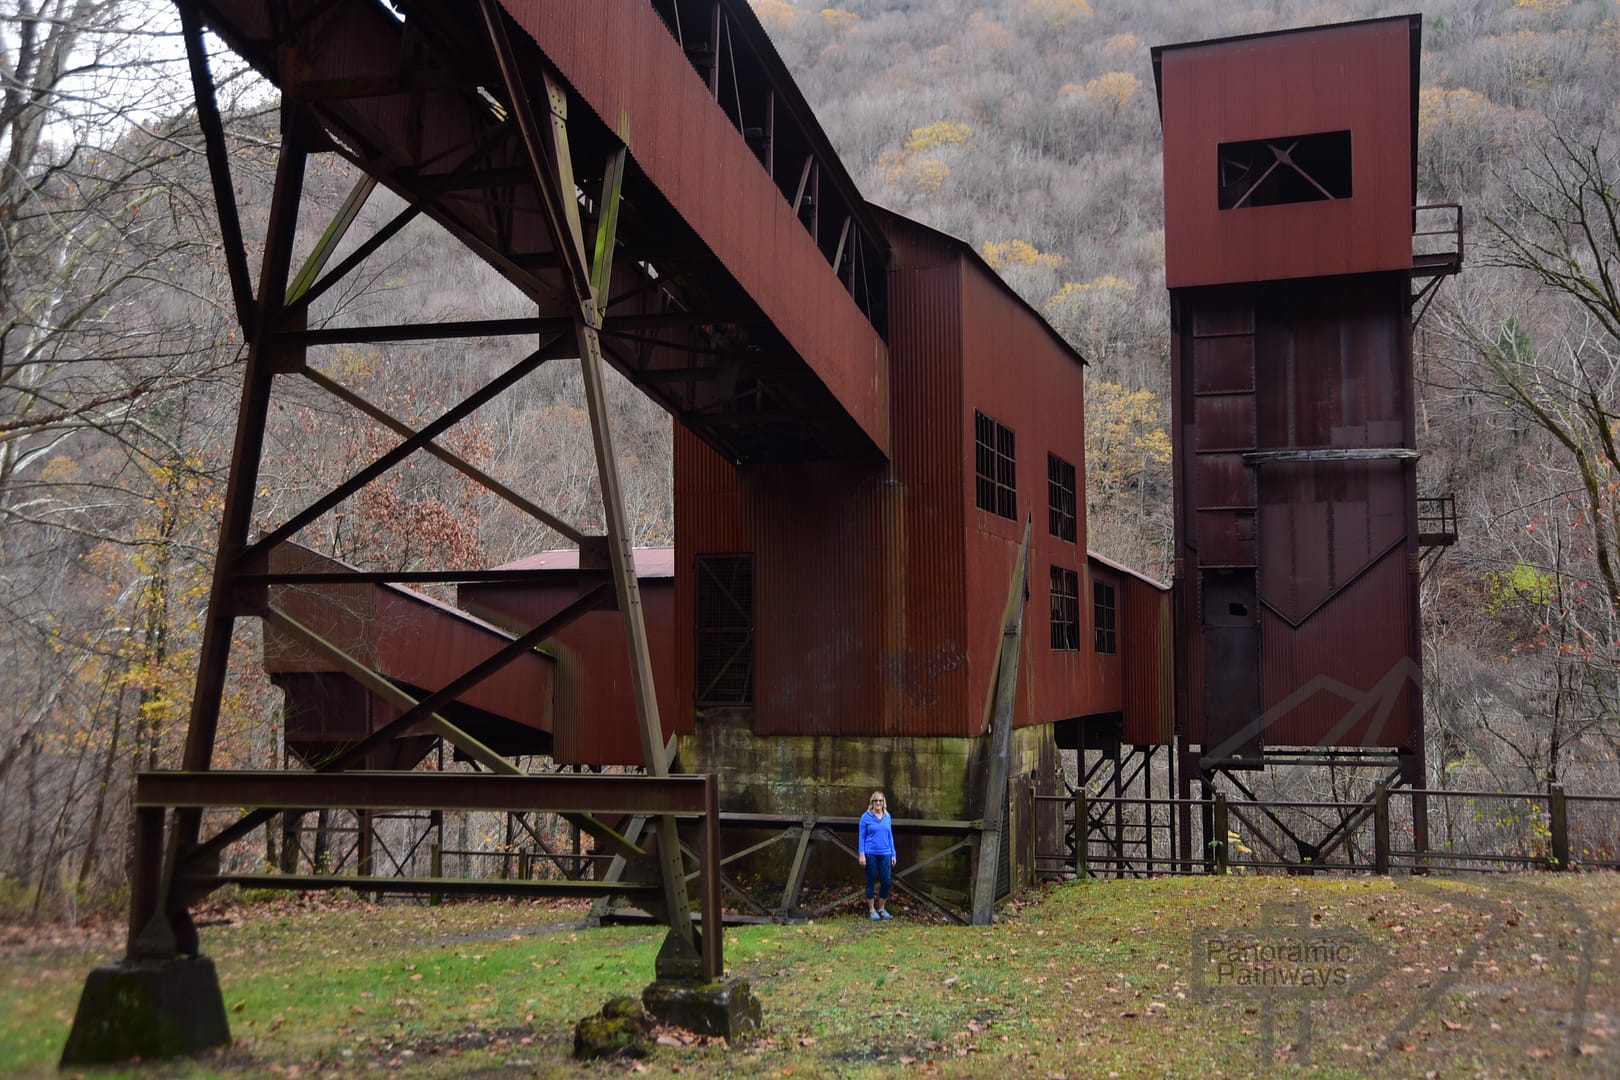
[1223,833]
[1558,822]
[713,937]
[1082,823]
[1381,829]
[436,871]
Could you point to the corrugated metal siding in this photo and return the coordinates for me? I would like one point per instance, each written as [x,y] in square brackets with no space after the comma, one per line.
[1332,541]
[1318,691]
[594,704]
[326,713]
[1146,700]
[859,570]
[1359,78]
[405,636]
[818,566]
[879,590]
[1016,373]
[1102,688]
[925,674]
[620,57]
[710,519]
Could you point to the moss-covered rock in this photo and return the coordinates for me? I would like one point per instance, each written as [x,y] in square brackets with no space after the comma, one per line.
[621,1030]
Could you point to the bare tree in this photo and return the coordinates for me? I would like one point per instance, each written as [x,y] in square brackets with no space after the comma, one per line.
[1550,353]
[110,328]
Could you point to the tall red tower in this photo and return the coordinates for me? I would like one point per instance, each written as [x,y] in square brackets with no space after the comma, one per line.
[1290,221]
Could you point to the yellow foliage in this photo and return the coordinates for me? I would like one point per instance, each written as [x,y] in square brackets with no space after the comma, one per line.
[1123,43]
[939,133]
[1018,253]
[1112,89]
[929,174]
[1461,104]
[1058,13]
[775,12]
[1073,290]
[901,168]
[1542,6]
[839,19]
[1125,433]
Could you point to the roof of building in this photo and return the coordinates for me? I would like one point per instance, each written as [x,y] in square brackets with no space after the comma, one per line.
[651,562]
[890,218]
[1123,569]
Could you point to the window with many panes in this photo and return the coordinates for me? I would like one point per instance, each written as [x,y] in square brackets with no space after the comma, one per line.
[1104,617]
[1065,609]
[994,463]
[725,630]
[1060,497]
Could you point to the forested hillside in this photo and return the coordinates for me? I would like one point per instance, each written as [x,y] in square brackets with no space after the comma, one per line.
[1029,128]
[1026,127]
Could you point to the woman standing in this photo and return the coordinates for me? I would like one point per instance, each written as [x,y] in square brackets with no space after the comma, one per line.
[876,848]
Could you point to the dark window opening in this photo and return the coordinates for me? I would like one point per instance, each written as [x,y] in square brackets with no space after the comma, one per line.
[996,480]
[1103,611]
[1060,497]
[725,630]
[1065,609]
[1290,169]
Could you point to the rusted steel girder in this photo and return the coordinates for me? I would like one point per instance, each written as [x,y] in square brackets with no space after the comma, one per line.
[667,796]
[550,155]
[586,793]
[277,340]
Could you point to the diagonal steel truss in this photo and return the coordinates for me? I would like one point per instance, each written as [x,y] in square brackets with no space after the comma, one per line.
[510,189]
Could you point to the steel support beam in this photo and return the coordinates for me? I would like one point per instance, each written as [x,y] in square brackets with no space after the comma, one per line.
[1000,748]
[170,932]
[219,167]
[551,158]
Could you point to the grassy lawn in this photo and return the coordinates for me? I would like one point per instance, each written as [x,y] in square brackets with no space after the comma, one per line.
[1220,977]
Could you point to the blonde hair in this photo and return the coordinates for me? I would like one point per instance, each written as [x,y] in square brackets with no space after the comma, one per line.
[876,795]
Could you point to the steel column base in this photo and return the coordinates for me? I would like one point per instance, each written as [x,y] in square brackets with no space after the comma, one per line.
[151,1009]
[725,1007]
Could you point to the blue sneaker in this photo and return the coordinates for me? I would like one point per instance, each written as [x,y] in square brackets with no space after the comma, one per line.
[874,916]
[884,914]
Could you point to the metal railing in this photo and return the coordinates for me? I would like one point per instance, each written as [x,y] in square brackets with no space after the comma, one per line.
[1437,520]
[1429,252]
[693,799]
[1507,832]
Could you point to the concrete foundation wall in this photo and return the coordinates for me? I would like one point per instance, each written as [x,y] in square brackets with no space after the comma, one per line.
[939,778]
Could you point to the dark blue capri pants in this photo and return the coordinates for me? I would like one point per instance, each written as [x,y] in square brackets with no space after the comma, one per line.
[878,869]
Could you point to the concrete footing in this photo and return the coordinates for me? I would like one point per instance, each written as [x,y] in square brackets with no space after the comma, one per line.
[151,1009]
[724,1007]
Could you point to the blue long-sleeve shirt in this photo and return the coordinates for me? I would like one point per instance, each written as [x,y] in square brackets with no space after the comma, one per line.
[877,835]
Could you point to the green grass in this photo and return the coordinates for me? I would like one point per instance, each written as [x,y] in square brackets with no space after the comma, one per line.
[1508,977]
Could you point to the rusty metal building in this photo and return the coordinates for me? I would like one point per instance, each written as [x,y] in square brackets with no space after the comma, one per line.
[590,689]
[867,420]
[1290,216]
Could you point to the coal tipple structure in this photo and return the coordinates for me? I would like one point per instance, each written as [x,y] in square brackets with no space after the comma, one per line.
[879,576]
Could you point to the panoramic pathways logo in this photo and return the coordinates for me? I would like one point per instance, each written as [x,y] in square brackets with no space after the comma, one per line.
[1288,964]
[1301,975]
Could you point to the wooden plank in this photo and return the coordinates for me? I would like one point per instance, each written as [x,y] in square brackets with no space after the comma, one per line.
[998,764]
